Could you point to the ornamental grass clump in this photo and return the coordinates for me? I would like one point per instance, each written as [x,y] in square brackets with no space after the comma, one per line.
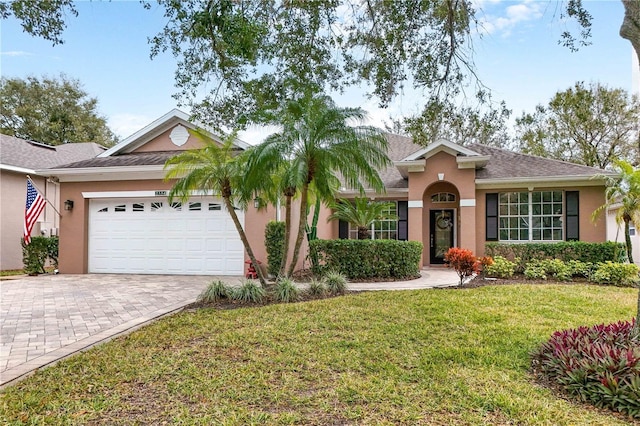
[335,282]
[317,287]
[599,365]
[286,290]
[249,291]
[214,292]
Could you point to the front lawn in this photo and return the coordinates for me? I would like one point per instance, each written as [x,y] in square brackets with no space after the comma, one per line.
[409,357]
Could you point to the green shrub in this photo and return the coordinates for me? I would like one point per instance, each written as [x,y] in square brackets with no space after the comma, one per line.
[500,268]
[274,244]
[581,269]
[360,259]
[317,287]
[214,292]
[36,254]
[565,251]
[286,290]
[543,268]
[618,274]
[599,365]
[249,291]
[335,282]
[534,272]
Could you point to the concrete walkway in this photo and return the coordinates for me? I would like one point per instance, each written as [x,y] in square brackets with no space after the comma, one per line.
[47,318]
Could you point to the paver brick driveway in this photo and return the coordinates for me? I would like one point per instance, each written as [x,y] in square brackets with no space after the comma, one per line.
[48,317]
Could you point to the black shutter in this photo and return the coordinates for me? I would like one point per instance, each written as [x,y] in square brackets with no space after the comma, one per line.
[572,215]
[492,217]
[403,216]
[343,230]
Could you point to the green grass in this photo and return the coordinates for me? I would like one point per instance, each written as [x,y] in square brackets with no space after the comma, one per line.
[409,357]
[11,272]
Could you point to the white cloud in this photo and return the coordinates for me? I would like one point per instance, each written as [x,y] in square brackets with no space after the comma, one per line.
[16,53]
[124,125]
[494,18]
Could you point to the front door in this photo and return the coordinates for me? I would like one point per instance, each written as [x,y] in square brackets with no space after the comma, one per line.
[442,223]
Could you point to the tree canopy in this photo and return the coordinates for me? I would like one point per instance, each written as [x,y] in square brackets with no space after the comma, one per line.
[53,111]
[591,125]
[253,55]
[44,19]
[484,124]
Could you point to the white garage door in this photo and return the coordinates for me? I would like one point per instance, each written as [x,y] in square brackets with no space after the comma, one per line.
[153,236]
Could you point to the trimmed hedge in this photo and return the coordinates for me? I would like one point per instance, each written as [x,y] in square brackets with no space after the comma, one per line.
[359,259]
[565,251]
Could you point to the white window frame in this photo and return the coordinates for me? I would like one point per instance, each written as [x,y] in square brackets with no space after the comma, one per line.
[353,231]
[549,222]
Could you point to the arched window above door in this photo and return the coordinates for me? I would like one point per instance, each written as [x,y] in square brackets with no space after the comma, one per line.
[443,197]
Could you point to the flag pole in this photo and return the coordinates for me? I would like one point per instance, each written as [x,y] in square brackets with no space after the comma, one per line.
[42,194]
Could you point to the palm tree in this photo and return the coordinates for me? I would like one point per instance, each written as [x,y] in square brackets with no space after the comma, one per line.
[216,168]
[361,214]
[623,191]
[317,143]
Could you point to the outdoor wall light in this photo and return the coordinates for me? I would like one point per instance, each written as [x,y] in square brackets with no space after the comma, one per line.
[68,205]
[256,202]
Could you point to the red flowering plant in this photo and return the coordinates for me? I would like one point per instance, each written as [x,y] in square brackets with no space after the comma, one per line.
[462,261]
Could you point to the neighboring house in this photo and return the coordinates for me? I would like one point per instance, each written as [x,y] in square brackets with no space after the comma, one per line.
[445,195]
[19,158]
[615,232]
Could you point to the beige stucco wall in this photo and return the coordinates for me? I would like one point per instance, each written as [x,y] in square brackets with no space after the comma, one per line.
[13,190]
[163,143]
[455,180]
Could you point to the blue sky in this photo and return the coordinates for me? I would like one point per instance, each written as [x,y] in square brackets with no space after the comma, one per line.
[518,58]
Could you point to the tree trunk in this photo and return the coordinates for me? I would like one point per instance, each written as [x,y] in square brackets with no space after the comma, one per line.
[630,28]
[627,240]
[312,234]
[287,234]
[245,241]
[301,226]
[363,233]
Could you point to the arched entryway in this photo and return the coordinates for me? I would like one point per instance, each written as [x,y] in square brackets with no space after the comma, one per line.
[440,221]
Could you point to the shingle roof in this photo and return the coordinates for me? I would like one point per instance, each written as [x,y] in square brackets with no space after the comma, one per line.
[399,147]
[32,155]
[505,164]
[153,158]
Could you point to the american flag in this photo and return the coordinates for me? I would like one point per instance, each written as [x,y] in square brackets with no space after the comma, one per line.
[35,205]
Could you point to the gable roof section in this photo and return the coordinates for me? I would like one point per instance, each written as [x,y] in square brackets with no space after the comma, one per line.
[465,157]
[25,156]
[159,126]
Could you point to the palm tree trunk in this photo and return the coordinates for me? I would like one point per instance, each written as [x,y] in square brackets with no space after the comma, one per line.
[301,227]
[287,235]
[627,240]
[363,233]
[245,241]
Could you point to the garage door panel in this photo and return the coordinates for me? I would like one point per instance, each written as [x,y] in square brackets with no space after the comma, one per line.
[152,236]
